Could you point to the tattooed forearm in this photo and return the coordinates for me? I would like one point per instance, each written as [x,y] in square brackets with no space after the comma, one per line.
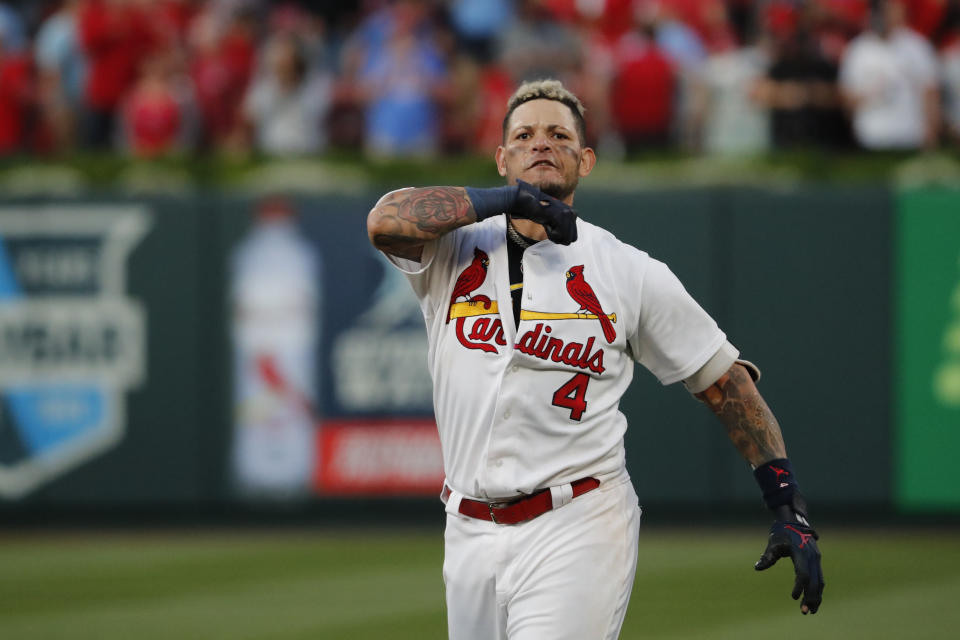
[750,424]
[403,220]
[400,247]
[434,210]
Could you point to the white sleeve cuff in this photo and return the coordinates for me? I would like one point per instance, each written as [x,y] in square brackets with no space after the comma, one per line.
[716,366]
[753,369]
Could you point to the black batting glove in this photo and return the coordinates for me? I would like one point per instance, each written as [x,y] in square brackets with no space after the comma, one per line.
[791,533]
[799,542]
[558,218]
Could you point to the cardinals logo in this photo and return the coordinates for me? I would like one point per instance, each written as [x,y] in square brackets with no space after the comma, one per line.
[470,280]
[538,342]
[484,331]
[581,291]
[590,309]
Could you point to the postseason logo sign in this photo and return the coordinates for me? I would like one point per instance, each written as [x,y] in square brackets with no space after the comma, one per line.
[72,342]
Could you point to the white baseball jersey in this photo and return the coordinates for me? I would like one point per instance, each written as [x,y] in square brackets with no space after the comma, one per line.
[523,409]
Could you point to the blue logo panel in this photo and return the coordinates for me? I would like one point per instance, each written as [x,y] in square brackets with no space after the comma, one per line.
[51,415]
[72,341]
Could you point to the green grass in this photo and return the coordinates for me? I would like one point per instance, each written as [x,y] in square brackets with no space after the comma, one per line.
[358,585]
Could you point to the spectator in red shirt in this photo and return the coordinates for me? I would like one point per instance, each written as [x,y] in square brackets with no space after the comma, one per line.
[641,100]
[222,64]
[16,98]
[173,18]
[926,16]
[494,89]
[116,36]
[155,116]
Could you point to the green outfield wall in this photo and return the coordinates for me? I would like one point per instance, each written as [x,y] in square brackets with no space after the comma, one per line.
[119,358]
[799,281]
[927,371]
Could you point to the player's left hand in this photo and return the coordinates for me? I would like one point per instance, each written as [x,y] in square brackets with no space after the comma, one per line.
[799,542]
[558,218]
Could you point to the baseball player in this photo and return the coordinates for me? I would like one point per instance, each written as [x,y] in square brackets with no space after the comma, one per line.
[535,318]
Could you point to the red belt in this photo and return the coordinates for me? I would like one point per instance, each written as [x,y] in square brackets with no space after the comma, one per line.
[521,509]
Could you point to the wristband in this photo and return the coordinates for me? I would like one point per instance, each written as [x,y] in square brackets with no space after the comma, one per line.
[491,202]
[777,482]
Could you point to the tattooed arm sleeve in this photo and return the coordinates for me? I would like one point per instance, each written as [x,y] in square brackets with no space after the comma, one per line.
[402,221]
[750,424]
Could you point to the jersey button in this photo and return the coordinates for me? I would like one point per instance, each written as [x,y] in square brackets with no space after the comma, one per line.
[506,414]
[515,368]
[499,463]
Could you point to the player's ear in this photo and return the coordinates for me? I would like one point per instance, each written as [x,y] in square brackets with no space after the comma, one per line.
[588,160]
[501,161]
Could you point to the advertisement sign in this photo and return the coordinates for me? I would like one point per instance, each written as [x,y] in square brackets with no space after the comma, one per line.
[928,350]
[378,377]
[332,395]
[386,456]
[72,341]
[274,295]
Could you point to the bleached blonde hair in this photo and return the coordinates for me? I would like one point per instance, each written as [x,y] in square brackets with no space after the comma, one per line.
[547,89]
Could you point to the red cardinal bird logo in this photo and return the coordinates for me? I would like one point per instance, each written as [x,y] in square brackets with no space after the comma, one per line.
[471,278]
[581,291]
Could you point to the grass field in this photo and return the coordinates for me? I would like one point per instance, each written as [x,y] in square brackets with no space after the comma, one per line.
[365,585]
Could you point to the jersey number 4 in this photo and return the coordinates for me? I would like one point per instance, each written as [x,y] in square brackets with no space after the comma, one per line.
[573,395]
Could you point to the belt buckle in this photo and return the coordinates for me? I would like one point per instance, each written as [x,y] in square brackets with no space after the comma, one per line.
[495,505]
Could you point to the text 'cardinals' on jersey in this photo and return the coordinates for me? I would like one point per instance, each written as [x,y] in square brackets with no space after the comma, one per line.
[534,404]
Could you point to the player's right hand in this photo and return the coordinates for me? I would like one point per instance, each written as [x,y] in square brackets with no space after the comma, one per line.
[557,217]
[800,543]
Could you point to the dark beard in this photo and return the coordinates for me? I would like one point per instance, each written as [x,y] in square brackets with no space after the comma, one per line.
[558,190]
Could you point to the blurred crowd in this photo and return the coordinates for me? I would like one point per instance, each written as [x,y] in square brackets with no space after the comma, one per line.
[429,77]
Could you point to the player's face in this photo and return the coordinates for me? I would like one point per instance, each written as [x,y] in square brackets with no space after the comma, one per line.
[542,147]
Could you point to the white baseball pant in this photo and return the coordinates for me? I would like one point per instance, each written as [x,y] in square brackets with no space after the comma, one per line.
[564,575]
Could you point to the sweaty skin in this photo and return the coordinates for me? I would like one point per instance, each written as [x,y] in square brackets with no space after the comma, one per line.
[541,147]
[751,425]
